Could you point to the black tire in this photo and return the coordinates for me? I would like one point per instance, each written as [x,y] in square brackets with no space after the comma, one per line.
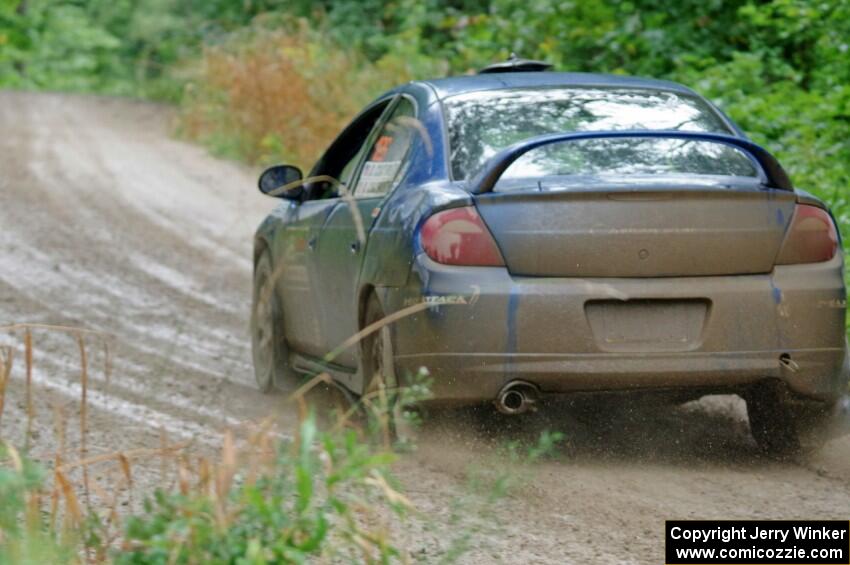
[772,423]
[380,382]
[268,343]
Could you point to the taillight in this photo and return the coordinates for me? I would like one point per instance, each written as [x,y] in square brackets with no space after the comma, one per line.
[812,237]
[459,237]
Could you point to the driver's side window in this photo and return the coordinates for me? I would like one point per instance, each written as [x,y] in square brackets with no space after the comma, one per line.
[388,152]
[341,159]
[350,168]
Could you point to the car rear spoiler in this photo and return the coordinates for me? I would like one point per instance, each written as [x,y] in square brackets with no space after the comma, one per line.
[775,176]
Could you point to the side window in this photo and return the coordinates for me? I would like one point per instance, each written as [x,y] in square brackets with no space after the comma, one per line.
[386,162]
[341,159]
[350,167]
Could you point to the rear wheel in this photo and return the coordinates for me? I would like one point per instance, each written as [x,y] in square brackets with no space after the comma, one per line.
[268,345]
[382,389]
[772,423]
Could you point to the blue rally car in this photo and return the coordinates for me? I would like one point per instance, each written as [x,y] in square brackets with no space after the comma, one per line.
[534,233]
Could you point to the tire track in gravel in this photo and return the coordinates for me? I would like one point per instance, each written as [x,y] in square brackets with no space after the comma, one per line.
[108,223]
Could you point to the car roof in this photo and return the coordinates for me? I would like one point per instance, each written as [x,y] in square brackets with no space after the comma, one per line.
[451,86]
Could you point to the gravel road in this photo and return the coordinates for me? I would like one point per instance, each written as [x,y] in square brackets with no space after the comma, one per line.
[108,223]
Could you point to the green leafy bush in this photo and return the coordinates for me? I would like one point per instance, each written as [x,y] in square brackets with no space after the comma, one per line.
[280,90]
[326,495]
[25,536]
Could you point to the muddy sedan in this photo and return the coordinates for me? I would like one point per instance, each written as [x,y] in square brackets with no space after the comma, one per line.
[534,234]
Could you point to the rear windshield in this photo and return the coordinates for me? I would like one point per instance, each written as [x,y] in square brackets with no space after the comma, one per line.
[483,123]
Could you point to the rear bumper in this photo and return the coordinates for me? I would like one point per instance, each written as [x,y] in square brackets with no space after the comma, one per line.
[487,328]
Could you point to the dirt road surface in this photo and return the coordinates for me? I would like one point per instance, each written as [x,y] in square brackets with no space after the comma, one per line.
[108,223]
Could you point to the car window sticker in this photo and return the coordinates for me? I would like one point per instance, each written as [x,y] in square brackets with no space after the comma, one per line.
[377,177]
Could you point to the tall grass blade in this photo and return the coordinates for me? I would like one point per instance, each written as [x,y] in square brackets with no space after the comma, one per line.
[107,362]
[6,358]
[126,470]
[72,506]
[54,496]
[59,428]
[84,429]
[29,400]
[17,462]
[163,460]
[224,476]
[372,328]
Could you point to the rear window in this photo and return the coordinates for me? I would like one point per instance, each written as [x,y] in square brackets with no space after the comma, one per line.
[483,123]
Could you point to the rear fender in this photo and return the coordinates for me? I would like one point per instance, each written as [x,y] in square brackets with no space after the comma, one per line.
[393,239]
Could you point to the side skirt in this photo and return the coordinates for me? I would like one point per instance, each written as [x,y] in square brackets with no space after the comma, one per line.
[344,376]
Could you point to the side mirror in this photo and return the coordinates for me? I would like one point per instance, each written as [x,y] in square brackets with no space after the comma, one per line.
[277,177]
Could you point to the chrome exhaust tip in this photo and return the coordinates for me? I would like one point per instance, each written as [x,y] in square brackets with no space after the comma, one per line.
[517,397]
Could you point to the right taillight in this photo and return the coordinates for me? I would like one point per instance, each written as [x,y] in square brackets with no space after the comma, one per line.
[812,237]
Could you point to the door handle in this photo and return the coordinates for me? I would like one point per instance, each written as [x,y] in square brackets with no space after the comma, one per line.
[355,246]
[312,243]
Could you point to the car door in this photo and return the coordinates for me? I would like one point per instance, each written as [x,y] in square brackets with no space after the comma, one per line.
[343,238]
[296,243]
[294,277]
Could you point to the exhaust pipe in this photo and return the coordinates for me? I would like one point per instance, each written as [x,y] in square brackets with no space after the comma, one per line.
[517,397]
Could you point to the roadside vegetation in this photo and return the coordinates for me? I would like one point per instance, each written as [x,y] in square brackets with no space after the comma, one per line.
[326,495]
[324,491]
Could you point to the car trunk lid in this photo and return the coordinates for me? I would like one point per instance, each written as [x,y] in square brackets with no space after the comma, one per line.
[649,231]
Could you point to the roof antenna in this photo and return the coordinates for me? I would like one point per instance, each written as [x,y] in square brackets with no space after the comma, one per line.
[516,64]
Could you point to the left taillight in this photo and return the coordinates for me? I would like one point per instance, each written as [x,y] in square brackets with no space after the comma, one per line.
[812,237]
[459,237]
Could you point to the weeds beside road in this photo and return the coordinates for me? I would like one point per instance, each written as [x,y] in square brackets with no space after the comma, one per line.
[325,494]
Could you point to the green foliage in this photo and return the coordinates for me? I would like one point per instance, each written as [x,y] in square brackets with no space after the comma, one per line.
[24,537]
[806,129]
[778,67]
[327,494]
[18,477]
[131,47]
[315,500]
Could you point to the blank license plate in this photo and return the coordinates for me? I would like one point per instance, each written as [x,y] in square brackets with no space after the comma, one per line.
[647,325]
